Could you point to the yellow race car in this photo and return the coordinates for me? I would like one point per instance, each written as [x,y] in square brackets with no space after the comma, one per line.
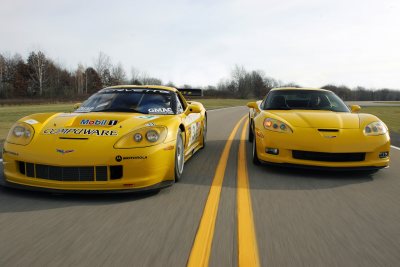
[121,139]
[308,127]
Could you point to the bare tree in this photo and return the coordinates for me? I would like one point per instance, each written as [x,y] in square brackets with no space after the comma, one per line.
[38,65]
[80,79]
[135,76]
[102,65]
[118,74]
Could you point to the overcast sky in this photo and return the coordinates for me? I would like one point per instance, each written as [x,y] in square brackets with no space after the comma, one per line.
[310,42]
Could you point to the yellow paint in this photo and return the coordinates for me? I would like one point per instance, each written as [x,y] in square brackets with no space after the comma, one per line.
[305,136]
[201,249]
[91,145]
[247,242]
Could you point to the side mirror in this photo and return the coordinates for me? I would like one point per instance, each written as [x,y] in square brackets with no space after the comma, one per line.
[253,105]
[192,109]
[77,105]
[355,108]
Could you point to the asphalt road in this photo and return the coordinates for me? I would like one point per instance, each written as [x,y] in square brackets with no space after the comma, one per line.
[300,218]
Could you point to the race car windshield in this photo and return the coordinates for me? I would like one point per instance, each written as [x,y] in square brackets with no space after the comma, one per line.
[143,101]
[304,99]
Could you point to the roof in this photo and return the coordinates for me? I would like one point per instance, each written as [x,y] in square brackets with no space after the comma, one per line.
[143,87]
[296,88]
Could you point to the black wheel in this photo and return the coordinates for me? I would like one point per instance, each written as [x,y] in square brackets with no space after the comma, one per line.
[251,133]
[204,132]
[256,161]
[179,156]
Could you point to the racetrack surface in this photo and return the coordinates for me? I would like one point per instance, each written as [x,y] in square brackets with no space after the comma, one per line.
[298,217]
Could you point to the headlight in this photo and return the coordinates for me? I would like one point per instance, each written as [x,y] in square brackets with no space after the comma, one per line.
[143,137]
[152,136]
[375,128]
[20,134]
[276,126]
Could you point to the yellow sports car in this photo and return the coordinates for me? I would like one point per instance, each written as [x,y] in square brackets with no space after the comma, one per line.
[121,139]
[314,128]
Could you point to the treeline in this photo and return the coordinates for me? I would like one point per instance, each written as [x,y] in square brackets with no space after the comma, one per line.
[40,77]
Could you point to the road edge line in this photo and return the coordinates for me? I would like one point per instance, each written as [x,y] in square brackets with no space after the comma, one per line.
[201,248]
[247,241]
[395,147]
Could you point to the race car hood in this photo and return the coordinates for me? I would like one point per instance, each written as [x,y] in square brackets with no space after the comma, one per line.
[318,119]
[91,125]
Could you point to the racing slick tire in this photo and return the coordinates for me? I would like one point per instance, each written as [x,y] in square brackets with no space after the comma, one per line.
[179,156]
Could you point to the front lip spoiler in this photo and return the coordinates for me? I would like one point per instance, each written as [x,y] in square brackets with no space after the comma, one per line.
[152,188]
[321,168]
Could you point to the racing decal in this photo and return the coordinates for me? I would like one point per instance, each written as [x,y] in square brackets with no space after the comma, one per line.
[68,115]
[147,117]
[84,109]
[150,124]
[120,158]
[194,132]
[80,131]
[98,122]
[93,122]
[192,117]
[31,121]
[161,110]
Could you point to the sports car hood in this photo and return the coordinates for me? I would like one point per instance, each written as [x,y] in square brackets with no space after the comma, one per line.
[76,125]
[318,119]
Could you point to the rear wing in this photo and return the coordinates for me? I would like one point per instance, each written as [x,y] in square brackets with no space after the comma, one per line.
[190,92]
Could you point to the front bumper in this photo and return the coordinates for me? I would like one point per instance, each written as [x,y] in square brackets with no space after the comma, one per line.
[142,169]
[347,141]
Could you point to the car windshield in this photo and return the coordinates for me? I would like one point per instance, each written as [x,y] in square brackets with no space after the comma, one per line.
[303,99]
[146,101]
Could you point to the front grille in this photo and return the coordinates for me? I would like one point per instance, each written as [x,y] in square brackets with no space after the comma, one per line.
[70,174]
[330,157]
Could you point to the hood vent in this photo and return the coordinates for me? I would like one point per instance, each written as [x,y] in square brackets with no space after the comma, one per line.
[328,130]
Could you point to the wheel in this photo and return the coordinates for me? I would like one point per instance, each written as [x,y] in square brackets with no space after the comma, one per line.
[204,132]
[179,156]
[256,161]
[251,133]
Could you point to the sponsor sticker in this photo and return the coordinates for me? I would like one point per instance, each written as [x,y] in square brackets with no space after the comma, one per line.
[79,131]
[161,110]
[68,115]
[120,158]
[150,124]
[84,109]
[147,117]
[98,122]
[31,121]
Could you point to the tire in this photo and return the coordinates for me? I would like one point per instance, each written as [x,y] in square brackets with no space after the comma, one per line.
[256,161]
[179,156]
[251,133]
[204,133]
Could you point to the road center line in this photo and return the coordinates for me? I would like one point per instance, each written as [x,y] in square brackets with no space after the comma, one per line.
[200,253]
[247,241]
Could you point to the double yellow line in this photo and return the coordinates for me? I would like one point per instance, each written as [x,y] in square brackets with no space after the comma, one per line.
[247,243]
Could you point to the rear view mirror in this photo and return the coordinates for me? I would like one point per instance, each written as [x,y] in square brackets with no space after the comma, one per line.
[192,109]
[253,105]
[355,108]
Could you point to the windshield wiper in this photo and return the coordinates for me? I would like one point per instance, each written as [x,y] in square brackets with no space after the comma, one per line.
[119,110]
[278,109]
